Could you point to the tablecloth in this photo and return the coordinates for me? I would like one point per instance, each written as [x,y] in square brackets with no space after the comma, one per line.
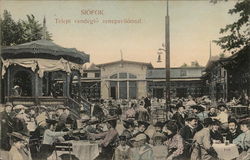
[226,152]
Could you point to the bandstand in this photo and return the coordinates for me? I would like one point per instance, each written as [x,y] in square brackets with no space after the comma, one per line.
[42,73]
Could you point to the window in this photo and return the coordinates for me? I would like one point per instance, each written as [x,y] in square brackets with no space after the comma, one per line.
[114,76]
[183,73]
[97,75]
[85,75]
[132,89]
[123,75]
[123,89]
[131,76]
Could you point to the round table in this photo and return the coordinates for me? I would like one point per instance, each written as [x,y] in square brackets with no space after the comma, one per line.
[226,152]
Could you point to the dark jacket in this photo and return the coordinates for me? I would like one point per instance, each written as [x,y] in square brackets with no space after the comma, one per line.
[6,127]
[180,120]
[215,135]
[187,134]
[231,136]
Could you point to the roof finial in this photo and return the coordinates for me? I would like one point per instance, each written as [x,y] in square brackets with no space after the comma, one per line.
[121,55]
[44,29]
[210,50]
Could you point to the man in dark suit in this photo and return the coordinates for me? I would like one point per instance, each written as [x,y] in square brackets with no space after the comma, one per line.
[180,117]
[233,130]
[6,126]
[188,132]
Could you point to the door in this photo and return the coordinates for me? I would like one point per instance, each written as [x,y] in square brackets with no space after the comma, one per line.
[113,92]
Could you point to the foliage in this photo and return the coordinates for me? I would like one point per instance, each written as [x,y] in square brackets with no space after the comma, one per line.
[238,33]
[13,33]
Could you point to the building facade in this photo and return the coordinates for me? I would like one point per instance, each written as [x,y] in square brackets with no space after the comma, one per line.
[229,77]
[131,80]
[184,81]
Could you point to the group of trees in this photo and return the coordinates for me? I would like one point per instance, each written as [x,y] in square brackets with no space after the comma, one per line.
[236,35]
[21,31]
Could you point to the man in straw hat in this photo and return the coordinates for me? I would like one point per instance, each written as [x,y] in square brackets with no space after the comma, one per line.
[20,119]
[19,149]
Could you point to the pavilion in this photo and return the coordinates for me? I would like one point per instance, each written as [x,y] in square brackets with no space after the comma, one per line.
[42,73]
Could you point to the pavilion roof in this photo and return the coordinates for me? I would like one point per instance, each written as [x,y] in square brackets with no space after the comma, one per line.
[44,49]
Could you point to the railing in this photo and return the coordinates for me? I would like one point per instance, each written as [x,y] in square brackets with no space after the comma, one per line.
[74,106]
[86,104]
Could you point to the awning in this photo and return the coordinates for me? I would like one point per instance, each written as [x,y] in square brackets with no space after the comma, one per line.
[42,65]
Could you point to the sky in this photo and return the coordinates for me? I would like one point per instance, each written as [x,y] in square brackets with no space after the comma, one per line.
[193,24]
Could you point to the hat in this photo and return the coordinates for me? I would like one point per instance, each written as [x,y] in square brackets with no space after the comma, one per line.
[110,118]
[128,122]
[200,108]
[159,124]
[21,136]
[191,117]
[60,107]
[122,138]
[245,122]
[51,121]
[42,107]
[139,137]
[208,121]
[69,120]
[158,135]
[146,124]
[222,105]
[8,104]
[171,125]
[19,106]
[216,122]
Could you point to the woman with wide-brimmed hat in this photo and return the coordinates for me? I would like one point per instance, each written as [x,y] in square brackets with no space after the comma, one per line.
[160,151]
[129,129]
[141,150]
[142,127]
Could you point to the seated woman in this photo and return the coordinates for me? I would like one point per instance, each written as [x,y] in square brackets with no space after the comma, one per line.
[160,151]
[128,131]
[50,137]
[142,127]
[174,141]
[108,139]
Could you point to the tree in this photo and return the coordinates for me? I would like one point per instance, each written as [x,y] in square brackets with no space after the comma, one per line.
[33,29]
[10,30]
[238,33]
[13,33]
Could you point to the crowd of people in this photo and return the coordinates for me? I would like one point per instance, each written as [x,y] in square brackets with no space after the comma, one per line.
[125,131]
